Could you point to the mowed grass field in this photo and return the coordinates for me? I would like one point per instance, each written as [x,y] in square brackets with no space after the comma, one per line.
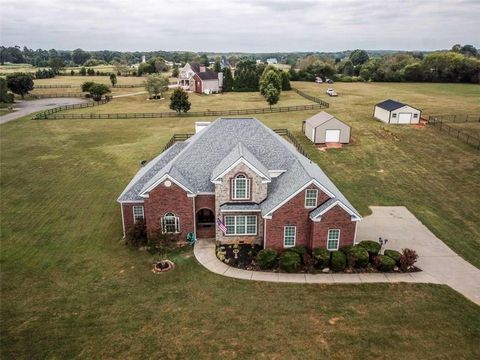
[71,289]
[471,128]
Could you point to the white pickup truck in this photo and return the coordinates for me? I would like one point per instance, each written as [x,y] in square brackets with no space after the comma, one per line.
[331,92]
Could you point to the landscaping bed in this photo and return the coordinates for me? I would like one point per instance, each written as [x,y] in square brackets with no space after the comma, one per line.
[365,257]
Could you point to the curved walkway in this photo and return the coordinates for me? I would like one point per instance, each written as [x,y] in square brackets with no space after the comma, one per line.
[26,107]
[439,263]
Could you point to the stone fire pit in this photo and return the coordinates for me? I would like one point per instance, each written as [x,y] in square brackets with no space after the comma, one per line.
[162,266]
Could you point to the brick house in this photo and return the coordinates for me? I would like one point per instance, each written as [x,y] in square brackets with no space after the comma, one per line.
[200,79]
[239,173]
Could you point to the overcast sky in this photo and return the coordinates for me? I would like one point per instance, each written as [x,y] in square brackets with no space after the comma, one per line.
[240,25]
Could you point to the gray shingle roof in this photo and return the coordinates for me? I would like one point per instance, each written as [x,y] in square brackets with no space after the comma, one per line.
[193,162]
[322,207]
[390,105]
[204,75]
[240,207]
[239,152]
[319,119]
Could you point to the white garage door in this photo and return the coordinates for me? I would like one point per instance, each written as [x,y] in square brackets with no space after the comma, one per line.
[404,118]
[332,136]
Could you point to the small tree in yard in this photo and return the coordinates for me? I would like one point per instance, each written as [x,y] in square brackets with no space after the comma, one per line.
[97,90]
[156,85]
[113,79]
[83,71]
[20,83]
[271,94]
[227,80]
[175,71]
[270,77]
[179,101]
[86,86]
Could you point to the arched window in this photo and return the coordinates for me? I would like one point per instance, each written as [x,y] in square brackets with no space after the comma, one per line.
[241,187]
[170,224]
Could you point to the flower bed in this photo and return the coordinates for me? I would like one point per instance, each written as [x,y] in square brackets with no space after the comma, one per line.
[364,257]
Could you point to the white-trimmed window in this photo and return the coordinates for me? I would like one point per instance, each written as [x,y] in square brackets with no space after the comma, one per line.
[311,196]
[241,187]
[394,115]
[241,224]
[415,116]
[289,236]
[333,239]
[138,213]
[170,224]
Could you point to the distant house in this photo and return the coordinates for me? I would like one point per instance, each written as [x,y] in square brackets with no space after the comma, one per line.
[224,63]
[325,128]
[272,61]
[239,182]
[394,112]
[200,79]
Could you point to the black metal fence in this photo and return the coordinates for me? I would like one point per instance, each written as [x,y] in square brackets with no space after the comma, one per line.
[455,118]
[44,114]
[456,133]
[311,98]
[170,114]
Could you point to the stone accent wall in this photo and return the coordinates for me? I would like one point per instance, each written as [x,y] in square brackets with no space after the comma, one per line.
[258,193]
[292,213]
[335,218]
[165,199]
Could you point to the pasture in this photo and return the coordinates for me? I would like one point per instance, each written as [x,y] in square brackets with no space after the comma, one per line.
[71,289]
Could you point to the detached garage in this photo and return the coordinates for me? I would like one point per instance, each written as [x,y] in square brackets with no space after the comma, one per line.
[325,128]
[394,112]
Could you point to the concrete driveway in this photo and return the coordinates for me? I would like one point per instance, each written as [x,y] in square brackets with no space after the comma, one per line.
[439,263]
[26,107]
[404,230]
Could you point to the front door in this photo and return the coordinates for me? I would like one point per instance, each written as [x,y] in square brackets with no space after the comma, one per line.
[205,224]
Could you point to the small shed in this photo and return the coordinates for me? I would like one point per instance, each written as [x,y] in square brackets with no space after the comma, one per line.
[395,112]
[325,128]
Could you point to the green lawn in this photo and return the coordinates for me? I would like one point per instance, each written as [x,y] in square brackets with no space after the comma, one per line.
[71,289]
[471,128]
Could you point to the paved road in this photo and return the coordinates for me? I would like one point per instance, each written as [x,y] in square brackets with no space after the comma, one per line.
[439,263]
[30,106]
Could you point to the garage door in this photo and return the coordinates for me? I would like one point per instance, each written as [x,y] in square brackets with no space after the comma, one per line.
[404,118]
[332,136]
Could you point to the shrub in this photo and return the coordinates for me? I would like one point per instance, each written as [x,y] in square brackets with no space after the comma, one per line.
[407,259]
[308,261]
[86,86]
[338,261]
[300,250]
[267,258]
[394,254]
[321,257]
[384,263]
[346,249]
[358,257]
[290,261]
[372,247]
[137,236]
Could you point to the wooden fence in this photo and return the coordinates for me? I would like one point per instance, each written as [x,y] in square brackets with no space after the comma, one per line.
[57,86]
[281,132]
[170,114]
[59,95]
[455,118]
[456,133]
[311,98]
[44,114]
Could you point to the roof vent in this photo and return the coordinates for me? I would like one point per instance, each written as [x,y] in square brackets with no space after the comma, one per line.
[200,125]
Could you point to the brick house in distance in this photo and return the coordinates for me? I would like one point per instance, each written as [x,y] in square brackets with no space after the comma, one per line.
[239,173]
[200,79]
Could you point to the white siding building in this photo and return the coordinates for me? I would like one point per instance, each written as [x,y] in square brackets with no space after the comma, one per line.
[394,112]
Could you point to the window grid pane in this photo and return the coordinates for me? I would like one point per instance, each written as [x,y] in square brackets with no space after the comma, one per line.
[289,236]
[251,225]
[240,225]
[138,213]
[333,239]
[230,224]
[241,187]
[311,198]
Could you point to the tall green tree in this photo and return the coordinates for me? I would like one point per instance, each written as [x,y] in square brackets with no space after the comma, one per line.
[204,60]
[179,101]
[79,56]
[113,79]
[359,57]
[285,81]
[98,90]
[271,94]
[20,83]
[56,64]
[270,77]
[227,80]
[216,66]
[246,76]
[156,85]
[5,97]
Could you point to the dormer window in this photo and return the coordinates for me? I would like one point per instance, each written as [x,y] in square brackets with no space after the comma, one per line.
[240,187]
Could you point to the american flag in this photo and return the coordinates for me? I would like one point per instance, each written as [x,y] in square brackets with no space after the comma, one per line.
[221,226]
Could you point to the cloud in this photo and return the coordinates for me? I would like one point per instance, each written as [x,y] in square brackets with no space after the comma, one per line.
[239,25]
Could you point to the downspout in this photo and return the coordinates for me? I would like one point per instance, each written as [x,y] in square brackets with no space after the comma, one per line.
[355,234]
[264,233]
[123,220]
[195,219]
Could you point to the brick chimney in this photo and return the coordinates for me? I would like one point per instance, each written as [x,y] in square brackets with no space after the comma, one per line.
[202,68]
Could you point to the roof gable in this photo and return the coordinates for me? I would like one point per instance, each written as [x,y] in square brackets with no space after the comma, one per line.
[319,119]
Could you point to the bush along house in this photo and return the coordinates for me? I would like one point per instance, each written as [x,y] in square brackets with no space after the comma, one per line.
[237,181]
